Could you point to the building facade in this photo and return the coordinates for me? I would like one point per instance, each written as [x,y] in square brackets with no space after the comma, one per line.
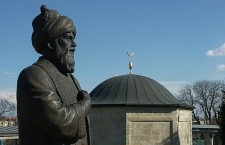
[136,110]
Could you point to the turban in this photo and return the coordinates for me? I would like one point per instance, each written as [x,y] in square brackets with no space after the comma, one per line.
[49,25]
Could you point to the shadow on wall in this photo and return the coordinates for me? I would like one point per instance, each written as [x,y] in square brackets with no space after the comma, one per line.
[172,140]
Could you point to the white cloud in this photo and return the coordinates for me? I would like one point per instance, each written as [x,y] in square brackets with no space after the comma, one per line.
[173,86]
[220,68]
[218,76]
[9,93]
[7,73]
[220,51]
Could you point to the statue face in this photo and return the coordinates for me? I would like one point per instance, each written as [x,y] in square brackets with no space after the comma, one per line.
[64,52]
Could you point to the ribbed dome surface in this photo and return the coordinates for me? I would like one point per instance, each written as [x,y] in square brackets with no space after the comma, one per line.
[133,90]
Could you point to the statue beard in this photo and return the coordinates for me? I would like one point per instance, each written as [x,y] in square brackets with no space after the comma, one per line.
[65,60]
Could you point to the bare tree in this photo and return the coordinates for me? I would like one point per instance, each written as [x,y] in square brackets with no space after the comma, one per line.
[206,97]
[222,120]
[7,108]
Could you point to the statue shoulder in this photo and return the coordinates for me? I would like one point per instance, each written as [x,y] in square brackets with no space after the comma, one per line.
[39,68]
[34,78]
[33,70]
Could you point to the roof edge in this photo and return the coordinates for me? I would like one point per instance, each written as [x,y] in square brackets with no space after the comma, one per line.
[184,106]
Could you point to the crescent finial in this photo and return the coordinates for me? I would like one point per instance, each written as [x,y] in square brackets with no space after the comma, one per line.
[130,54]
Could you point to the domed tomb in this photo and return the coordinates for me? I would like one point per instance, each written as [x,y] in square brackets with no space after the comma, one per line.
[133,109]
[133,90]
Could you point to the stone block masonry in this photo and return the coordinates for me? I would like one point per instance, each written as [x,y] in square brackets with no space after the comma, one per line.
[140,126]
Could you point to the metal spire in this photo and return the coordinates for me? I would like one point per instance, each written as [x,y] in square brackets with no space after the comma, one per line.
[130,54]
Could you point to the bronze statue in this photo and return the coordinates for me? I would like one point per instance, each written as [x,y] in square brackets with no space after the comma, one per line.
[52,109]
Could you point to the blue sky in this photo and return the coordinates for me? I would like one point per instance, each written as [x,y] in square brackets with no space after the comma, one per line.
[175,41]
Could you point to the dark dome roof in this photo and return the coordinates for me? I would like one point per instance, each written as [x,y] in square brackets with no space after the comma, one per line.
[133,90]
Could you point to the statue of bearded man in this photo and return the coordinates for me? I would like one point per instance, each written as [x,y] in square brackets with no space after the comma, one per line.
[51,107]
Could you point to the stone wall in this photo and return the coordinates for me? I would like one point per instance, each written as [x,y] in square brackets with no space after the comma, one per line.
[140,126]
[162,126]
[108,126]
[185,127]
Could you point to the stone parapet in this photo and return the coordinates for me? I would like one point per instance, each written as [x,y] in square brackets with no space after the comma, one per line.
[140,126]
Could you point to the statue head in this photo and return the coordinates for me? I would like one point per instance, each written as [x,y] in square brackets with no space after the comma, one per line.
[53,37]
